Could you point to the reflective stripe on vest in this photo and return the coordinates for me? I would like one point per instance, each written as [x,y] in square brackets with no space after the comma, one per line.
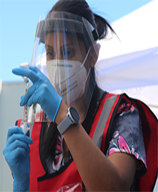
[103,120]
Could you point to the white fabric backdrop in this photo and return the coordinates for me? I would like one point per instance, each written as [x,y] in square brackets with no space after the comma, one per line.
[130,64]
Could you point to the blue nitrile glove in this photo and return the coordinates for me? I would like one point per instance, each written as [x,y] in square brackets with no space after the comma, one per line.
[41,92]
[16,152]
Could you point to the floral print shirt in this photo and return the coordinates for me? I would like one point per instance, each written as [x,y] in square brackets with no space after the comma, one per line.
[127,136]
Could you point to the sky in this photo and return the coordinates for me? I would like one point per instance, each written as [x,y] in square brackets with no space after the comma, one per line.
[18,22]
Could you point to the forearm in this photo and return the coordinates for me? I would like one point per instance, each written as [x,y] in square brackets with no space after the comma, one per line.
[96,171]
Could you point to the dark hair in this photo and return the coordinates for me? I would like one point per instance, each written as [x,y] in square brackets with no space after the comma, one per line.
[81,8]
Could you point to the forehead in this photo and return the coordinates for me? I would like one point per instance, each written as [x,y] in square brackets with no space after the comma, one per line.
[62,39]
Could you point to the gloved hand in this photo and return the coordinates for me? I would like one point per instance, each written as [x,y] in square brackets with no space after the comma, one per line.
[16,152]
[41,92]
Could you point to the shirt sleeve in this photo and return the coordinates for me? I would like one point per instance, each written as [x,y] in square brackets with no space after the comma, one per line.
[127,137]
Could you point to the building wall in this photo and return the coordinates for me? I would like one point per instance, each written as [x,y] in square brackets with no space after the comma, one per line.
[10,111]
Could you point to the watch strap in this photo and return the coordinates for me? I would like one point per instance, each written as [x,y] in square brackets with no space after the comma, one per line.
[65,124]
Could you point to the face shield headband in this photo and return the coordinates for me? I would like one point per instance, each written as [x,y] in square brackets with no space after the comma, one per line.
[66,22]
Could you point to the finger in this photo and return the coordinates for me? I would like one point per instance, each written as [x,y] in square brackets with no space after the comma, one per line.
[29,93]
[11,156]
[14,130]
[20,137]
[34,68]
[19,144]
[23,71]
[37,97]
[37,71]
[16,152]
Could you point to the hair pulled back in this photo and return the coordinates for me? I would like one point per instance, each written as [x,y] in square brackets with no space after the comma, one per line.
[81,8]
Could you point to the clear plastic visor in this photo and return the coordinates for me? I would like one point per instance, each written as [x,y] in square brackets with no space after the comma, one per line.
[63,52]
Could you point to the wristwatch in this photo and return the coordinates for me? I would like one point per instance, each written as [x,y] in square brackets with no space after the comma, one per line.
[71,118]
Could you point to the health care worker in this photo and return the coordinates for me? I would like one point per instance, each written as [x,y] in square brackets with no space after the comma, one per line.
[69,145]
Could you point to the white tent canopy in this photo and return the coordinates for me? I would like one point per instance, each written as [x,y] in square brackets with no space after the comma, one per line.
[137,31]
[131,64]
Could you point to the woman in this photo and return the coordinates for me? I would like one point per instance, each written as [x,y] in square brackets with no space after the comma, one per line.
[78,116]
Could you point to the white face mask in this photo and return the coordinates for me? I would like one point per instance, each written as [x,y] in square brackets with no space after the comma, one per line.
[68,78]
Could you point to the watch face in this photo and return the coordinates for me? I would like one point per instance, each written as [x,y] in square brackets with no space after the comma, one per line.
[74,114]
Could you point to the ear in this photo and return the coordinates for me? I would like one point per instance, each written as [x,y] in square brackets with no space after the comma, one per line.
[94,54]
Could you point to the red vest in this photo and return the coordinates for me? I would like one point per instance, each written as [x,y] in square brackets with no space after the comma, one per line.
[68,177]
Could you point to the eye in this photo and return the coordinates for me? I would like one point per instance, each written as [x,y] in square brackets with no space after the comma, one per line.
[68,53]
[50,54]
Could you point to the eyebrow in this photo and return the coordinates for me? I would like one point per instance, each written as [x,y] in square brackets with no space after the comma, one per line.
[49,46]
[61,46]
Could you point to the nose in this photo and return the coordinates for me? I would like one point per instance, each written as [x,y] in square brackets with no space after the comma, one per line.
[58,56]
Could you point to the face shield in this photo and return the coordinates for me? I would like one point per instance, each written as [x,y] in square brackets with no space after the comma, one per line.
[64,52]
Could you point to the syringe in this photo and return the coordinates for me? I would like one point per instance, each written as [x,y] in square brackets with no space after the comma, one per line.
[25,126]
